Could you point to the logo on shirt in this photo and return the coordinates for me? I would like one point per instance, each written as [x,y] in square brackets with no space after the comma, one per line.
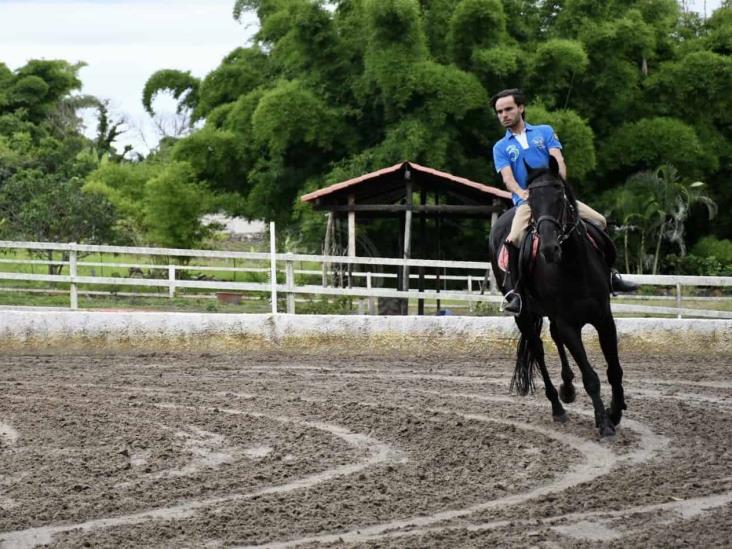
[538,142]
[512,152]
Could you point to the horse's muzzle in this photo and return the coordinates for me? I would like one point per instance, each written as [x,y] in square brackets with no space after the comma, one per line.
[552,253]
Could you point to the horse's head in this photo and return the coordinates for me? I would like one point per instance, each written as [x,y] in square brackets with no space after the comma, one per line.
[553,209]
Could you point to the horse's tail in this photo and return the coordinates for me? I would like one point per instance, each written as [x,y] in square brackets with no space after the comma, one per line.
[526,358]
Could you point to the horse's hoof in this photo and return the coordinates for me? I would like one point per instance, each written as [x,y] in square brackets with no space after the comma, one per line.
[607,432]
[567,393]
[614,416]
[561,418]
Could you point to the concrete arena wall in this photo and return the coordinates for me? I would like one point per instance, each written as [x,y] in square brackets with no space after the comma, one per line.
[81,331]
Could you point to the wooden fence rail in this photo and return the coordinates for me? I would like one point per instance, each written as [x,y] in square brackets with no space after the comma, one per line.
[367,283]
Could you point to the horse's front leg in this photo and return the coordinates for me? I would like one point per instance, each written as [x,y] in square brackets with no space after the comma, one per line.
[609,344]
[571,336]
[530,327]
[566,389]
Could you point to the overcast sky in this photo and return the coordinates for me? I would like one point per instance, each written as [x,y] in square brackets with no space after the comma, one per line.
[125,41]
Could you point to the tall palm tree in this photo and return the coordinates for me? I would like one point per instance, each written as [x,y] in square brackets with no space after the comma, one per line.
[674,199]
[655,205]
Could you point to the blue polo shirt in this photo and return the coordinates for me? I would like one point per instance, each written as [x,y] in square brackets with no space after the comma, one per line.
[509,152]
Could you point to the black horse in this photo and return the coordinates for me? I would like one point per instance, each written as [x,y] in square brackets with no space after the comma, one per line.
[569,282]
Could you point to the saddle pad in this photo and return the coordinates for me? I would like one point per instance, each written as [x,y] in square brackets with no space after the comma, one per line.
[503,254]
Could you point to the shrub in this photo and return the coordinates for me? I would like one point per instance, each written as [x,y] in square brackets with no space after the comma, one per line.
[695,265]
[710,246]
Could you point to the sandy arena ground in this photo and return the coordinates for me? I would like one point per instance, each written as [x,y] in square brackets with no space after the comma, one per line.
[365,450]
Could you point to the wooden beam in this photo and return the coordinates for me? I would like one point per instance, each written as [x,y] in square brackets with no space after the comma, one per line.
[417,208]
[494,214]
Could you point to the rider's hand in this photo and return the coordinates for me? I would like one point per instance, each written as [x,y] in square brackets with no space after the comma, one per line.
[524,194]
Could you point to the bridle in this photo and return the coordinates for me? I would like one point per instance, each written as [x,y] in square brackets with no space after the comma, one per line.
[568,220]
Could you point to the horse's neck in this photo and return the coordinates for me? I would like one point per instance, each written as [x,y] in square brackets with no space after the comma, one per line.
[577,249]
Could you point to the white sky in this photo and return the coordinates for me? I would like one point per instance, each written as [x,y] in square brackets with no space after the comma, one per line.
[125,41]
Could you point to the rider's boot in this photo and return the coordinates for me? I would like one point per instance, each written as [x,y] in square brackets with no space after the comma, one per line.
[617,284]
[512,301]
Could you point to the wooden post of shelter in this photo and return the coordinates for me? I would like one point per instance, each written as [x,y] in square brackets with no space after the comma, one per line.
[351,225]
[422,246]
[351,236]
[327,247]
[407,228]
[439,251]
[494,220]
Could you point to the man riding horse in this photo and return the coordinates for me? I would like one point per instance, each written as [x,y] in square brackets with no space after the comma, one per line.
[524,146]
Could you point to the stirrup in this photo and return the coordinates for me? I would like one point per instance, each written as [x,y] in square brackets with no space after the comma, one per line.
[504,303]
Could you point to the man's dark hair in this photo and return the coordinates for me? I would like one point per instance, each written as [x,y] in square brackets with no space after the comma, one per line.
[516,93]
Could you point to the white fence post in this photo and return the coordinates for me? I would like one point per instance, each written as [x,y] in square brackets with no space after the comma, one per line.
[171,279]
[678,298]
[273,266]
[471,304]
[494,284]
[372,300]
[290,281]
[73,273]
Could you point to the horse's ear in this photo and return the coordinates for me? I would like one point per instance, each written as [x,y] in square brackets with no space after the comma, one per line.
[553,165]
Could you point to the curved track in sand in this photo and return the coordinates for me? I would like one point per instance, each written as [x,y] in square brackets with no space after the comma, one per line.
[275,451]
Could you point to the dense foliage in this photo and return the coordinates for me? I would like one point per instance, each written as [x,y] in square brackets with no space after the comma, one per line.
[44,159]
[638,91]
[58,185]
[330,90]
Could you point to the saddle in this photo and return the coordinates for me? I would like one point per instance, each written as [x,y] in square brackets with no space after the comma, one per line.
[529,248]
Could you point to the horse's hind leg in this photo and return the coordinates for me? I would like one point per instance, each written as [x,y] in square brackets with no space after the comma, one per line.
[566,389]
[530,327]
[572,338]
[558,412]
[609,344]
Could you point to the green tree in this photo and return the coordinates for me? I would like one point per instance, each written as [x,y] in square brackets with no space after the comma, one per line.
[173,205]
[123,185]
[577,140]
[330,90]
[42,207]
[44,158]
[650,142]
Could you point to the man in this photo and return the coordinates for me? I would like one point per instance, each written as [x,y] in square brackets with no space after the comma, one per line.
[533,145]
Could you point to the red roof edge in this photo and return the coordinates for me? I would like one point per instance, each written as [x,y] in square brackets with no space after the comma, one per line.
[350,182]
[475,185]
[499,193]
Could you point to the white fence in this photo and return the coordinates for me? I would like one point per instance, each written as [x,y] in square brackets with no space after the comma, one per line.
[367,283]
